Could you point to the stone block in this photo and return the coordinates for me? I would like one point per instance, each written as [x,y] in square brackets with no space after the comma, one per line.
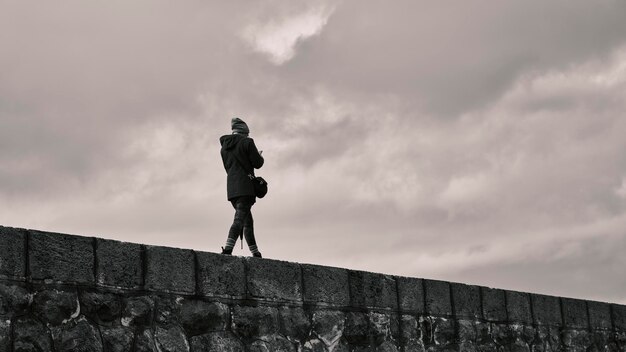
[252,322]
[55,307]
[221,275]
[466,301]
[216,342]
[61,258]
[494,304]
[575,313]
[599,315]
[118,264]
[77,335]
[102,308]
[170,270]
[411,337]
[12,253]
[324,284]
[438,298]
[274,280]
[546,310]
[14,300]
[137,311]
[31,335]
[383,326]
[328,325]
[411,294]
[144,341]
[372,290]
[199,317]
[356,329]
[619,316]
[440,334]
[274,343]
[294,322]
[170,339]
[117,339]
[518,307]
[5,336]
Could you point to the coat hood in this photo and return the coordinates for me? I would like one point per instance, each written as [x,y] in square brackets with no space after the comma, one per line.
[229,141]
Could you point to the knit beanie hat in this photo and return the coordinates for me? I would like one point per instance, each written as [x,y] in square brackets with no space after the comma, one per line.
[239,126]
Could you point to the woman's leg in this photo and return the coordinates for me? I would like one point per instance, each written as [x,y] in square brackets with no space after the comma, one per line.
[242,211]
[248,232]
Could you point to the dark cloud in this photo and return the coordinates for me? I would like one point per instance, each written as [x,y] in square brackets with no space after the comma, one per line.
[450,56]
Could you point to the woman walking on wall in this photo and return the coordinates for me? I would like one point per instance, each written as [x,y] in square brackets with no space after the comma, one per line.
[240,157]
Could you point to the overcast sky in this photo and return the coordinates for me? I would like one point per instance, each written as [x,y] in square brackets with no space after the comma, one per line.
[475,141]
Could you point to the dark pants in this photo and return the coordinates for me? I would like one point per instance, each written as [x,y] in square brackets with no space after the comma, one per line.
[243,221]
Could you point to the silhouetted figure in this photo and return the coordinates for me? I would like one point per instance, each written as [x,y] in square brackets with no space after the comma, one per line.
[240,157]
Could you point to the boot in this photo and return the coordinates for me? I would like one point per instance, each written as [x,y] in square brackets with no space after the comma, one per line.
[257,254]
[227,251]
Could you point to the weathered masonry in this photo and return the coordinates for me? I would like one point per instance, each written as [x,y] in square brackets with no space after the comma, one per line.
[70,293]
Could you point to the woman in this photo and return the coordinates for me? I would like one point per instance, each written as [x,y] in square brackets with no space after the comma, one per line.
[240,157]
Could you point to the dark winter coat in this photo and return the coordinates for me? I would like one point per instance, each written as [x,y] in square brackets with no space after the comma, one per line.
[238,183]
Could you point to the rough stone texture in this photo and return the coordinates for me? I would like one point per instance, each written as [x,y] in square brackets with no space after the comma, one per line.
[171,339]
[167,309]
[61,258]
[356,329]
[382,327]
[137,311]
[56,307]
[439,334]
[619,316]
[144,342]
[77,335]
[14,300]
[467,334]
[466,301]
[31,336]
[574,313]
[294,323]
[576,340]
[603,340]
[437,297]
[5,335]
[315,345]
[248,322]
[372,290]
[599,315]
[12,253]
[494,304]
[199,317]
[101,308]
[274,280]
[518,307]
[118,339]
[221,275]
[547,338]
[411,338]
[328,326]
[216,342]
[274,343]
[119,264]
[287,307]
[411,294]
[514,337]
[546,310]
[170,270]
[325,285]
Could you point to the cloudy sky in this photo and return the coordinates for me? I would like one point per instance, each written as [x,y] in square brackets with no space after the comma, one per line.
[477,141]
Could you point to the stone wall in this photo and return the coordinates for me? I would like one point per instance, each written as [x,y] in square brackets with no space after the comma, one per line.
[69,293]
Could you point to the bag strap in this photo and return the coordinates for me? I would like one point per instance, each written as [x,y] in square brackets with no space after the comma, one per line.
[250,173]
